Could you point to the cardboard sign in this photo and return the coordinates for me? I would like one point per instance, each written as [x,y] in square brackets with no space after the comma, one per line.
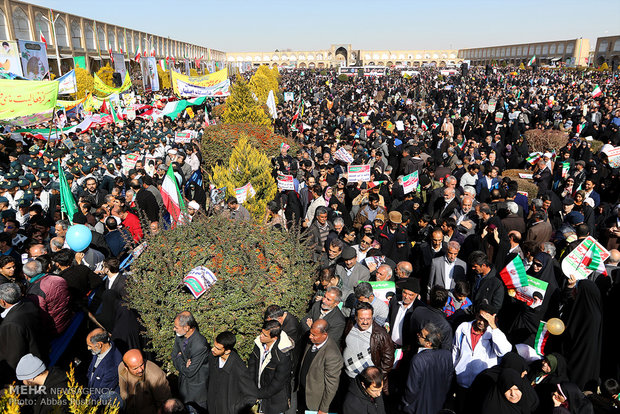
[383,290]
[285,182]
[492,104]
[199,280]
[242,193]
[534,293]
[410,182]
[185,136]
[575,263]
[613,155]
[359,173]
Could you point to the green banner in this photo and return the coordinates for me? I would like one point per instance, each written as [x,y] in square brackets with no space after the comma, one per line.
[23,97]
[79,62]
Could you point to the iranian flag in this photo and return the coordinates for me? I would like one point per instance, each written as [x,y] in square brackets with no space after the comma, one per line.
[541,338]
[424,126]
[43,38]
[596,92]
[565,168]
[462,143]
[138,54]
[172,196]
[163,65]
[593,260]
[513,274]
[532,61]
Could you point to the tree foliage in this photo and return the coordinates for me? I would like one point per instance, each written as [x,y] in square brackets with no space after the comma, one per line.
[106,74]
[542,140]
[255,267]
[241,107]
[247,165]
[219,140]
[84,82]
[263,81]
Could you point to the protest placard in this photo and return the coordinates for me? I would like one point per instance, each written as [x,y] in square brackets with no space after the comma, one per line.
[400,125]
[584,259]
[243,192]
[383,290]
[359,173]
[410,182]
[613,155]
[289,96]
[342,155]
[285,182]
[130,160]
[199,280]
[185,136]
[534,293]
[498,117]
[526,176]
[492,104]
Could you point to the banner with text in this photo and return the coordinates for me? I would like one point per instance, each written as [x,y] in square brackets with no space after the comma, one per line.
[285,182]
[21,98]
[213,84]
[410,182]
[359,173]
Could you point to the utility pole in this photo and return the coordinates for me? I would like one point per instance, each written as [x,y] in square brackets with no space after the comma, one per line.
[52,22]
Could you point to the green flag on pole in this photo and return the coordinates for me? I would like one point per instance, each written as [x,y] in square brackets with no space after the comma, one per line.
[67,202]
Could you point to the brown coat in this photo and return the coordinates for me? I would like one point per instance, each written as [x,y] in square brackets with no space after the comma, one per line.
[540,232]
[381,349]
[143,395]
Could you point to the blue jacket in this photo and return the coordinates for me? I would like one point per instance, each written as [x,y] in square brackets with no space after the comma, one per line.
[106,373]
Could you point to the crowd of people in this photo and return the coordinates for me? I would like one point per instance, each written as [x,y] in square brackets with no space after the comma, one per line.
[446,335]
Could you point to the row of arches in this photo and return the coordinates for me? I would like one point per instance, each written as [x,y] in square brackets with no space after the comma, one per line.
[94,36]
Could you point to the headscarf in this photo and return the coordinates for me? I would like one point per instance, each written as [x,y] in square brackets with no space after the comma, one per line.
[577,401]
[495,402]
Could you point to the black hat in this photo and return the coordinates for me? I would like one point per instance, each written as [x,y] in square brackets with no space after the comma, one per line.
[348,253]
[568,201]
[410,283]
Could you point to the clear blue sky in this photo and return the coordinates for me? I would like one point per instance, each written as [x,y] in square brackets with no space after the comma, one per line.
[250,25]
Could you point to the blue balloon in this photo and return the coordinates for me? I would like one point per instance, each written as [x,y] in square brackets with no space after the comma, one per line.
[78,237]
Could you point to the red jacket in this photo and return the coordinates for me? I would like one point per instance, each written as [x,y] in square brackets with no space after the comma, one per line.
[51,294]
[132,223]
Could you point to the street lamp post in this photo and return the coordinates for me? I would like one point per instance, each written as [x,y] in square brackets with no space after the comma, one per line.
[52,22]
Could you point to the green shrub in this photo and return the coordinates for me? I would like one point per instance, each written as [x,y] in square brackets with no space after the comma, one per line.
[343,78]
[219,140]
[254,266]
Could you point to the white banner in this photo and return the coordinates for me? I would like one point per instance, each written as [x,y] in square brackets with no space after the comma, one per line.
[359,173]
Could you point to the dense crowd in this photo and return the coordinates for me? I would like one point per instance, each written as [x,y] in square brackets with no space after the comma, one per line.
[441,334]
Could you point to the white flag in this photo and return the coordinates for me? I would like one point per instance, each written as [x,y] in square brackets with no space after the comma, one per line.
[271,104]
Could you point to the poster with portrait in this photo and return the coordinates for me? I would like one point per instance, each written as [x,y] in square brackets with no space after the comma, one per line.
[34,60]
[9,58]
[533,294]
[119,64]
[150,80]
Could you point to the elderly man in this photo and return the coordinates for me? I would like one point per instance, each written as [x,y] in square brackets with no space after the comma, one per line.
[103,369]
[189,357]
[403,270]
[465,217]
[351,273]
[319,372]
[446,270]
[20,332]
[367,344]
[401,308]
[430,374]
[143,385]
[328,310]
[51,295]
[364,293]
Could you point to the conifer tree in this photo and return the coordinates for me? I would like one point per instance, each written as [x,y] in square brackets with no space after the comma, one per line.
[263,81]
[247,165]
[241,106]
[84,81]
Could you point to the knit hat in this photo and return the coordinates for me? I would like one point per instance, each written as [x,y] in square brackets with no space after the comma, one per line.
[29,367]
